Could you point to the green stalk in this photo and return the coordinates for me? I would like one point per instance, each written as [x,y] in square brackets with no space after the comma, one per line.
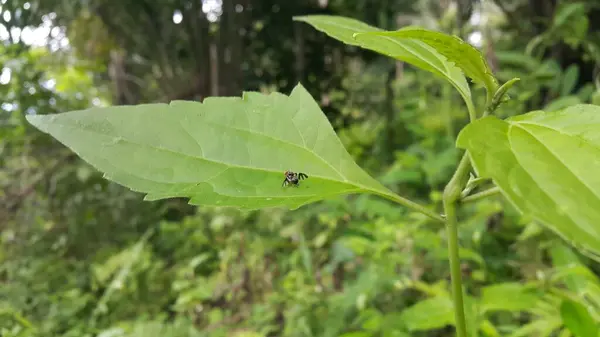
[452,197]
[452,194]
[455,272]
[497,98]
[481,195]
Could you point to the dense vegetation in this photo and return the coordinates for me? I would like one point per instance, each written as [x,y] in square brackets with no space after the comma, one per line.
[83,256]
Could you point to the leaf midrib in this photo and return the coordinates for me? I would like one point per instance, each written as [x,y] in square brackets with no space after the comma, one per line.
[192,185]
[303,200]
[343,26]
[347,182]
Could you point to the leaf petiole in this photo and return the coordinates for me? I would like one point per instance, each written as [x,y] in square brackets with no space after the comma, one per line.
[481,195]
[412,205]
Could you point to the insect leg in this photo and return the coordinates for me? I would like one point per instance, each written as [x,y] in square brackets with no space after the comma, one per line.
[285,182]
[302,176]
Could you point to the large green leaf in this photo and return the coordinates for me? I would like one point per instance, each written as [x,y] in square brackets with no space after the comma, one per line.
[546,164]
[224,152]
[462,54]
[415,52]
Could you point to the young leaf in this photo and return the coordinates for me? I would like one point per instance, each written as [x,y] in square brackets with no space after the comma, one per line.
[415,52]
[226,151]
[462,54]
[546,164]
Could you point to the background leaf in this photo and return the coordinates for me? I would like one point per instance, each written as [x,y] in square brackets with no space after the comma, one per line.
[569,80]
[546,164]
[577,319]
[415,52]
[429,314]
[462,54]
[507,296]
[225,151]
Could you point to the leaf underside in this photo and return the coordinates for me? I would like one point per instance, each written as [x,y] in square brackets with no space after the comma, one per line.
[410,50]
[457,51]
[226,151]
[546,164]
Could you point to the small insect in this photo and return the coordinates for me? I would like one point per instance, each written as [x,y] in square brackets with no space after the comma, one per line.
[293,178]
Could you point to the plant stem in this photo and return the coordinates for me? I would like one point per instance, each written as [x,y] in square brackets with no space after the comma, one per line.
[459,180]
[455,272]
[481,195]
[452,194]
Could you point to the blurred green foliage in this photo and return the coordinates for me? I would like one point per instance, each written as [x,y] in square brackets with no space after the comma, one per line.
[85,257]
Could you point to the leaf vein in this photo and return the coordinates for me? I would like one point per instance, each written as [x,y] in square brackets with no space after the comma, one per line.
[204,158]
[316,155]
[550,196]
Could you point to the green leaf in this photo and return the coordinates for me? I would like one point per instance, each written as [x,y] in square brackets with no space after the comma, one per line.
[569,80]
[547,165]
[432,313]
[562,103]
[415,52]
[577,319]
[338,27]
[518,60]
[566,13]
[541,327]
[595,99]
[508,297]
[563,257]
[457,51]
[223,152]
[357,334]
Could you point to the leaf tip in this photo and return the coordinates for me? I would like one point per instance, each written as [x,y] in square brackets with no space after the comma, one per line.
[33,119]
[39,121]
[302,18]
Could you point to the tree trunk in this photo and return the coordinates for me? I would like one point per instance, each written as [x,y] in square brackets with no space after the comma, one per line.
[230,47]
[214,70]
[196,25]
[299,51]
